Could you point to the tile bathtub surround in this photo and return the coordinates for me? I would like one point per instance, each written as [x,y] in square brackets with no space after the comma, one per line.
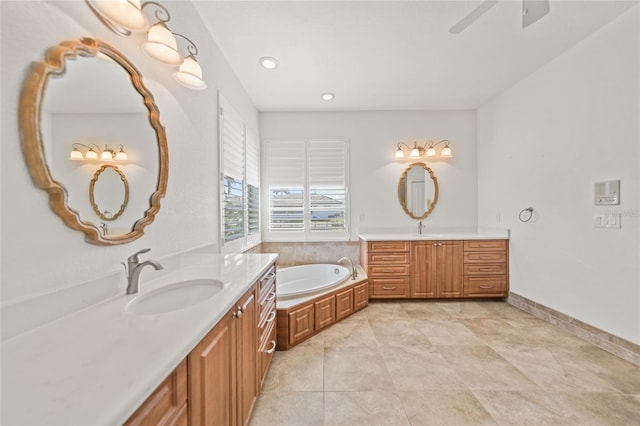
[302,253]
[447,363]
[616,345]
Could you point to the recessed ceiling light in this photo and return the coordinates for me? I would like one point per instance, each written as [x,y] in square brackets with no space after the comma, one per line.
[327,96]
[268,62]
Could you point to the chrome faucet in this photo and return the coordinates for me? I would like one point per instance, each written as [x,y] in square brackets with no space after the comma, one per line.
[133,267]
[354,271]
[420,227]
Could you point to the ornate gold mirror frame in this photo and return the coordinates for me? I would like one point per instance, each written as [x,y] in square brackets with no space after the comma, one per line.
[403,178]
[92,197]
[31,96]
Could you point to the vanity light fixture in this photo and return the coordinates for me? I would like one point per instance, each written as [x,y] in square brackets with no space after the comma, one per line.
[269,62]
[327,96]
[126,16]
[190,73]
[106,154]
[428,149]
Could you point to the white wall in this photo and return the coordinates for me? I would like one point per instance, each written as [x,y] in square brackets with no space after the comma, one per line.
[543,143]
[374,173]
[39,253]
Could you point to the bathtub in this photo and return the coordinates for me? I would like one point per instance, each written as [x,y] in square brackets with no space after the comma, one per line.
[308,280]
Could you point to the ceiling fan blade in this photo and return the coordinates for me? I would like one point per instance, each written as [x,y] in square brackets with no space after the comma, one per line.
[533,10]
[472,16]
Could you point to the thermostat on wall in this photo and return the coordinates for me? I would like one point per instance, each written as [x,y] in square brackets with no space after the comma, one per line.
[607,193]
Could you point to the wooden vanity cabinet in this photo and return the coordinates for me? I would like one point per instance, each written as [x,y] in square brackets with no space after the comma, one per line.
[167,405]
[486,268]
[436,269]
[388,267]
[267,322]
[223,368]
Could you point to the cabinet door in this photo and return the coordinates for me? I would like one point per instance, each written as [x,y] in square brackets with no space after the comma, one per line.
[167,405]
[449,261]
[212,384]
[423,269]
[247,347]
[344,304]
[300,324]
[360,296]
[325,312]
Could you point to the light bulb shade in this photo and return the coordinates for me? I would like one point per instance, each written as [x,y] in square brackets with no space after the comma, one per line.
[161,45]
[106,155]
[190,74]
[431,152]
[446,152]
[123,13]
[399,154]
[76,155]
[415,153]
[121,155]
[91,155]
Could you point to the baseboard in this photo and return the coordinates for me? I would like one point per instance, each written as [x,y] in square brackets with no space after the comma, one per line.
[625,349]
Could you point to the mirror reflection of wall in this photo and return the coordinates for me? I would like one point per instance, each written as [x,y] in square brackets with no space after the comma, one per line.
[95,103]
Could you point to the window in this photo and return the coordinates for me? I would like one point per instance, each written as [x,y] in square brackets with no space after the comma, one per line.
[307,190]
[240,165]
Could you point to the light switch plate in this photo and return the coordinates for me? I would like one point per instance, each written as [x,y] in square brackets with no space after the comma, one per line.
[607,193]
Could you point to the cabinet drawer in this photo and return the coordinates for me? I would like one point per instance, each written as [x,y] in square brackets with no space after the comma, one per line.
[266,351]
[489,286]
[389,258]
[485,257]
[266,282]
[266,306]
[389,287]
[388,270]
[485,269]
[485,245]
[389,245]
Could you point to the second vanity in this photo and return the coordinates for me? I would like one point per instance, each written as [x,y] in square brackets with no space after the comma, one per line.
[446,265]
[101,364]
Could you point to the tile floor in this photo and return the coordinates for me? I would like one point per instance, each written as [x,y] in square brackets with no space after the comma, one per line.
[447,363]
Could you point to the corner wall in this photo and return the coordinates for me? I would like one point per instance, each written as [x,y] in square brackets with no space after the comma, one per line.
[543,143]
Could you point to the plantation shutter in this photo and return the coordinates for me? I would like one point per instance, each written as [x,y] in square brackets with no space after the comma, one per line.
[327,185]
[253,183]
[285,168]
[232,134]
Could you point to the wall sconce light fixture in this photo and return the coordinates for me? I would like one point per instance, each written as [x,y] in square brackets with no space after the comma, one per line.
[106,154]
[125,16]
[428,149]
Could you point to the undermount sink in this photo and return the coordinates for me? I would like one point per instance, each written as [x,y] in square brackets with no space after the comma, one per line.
[174,297]
[429,235]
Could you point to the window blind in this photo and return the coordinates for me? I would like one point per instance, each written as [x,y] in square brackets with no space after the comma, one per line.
[233,166]
[253,183]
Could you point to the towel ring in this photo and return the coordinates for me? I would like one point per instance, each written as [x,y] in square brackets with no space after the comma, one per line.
[524,212]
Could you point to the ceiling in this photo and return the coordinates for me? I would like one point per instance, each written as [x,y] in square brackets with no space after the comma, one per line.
[391,55]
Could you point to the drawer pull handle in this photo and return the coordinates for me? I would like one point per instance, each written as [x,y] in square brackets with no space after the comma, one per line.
[271,316]
[486,269]
[268,277]
[486,286]
[388,288]
[273,347]
[486,257]
[270,297]
[388,270]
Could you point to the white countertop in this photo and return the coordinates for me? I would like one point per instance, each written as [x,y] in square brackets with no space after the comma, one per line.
[96,366]
[440,236]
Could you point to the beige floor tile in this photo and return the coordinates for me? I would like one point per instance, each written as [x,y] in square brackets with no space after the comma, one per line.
[481,368]
[298,369]
[414,368]
[527,408]
[425,310]
[355,369]
[317,340]
[551,372]
[447,332]
[398,332]
[603,408]
[444,408]
[289,409]
[465,309]
[349,333]
[364,409]
[384,310]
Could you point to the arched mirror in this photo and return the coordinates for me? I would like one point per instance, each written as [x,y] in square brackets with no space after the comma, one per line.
[418,190]
[88,95]
[109,192]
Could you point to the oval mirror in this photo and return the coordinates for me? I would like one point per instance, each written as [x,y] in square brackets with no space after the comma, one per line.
[418,190]
[87,95]
[109,192]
